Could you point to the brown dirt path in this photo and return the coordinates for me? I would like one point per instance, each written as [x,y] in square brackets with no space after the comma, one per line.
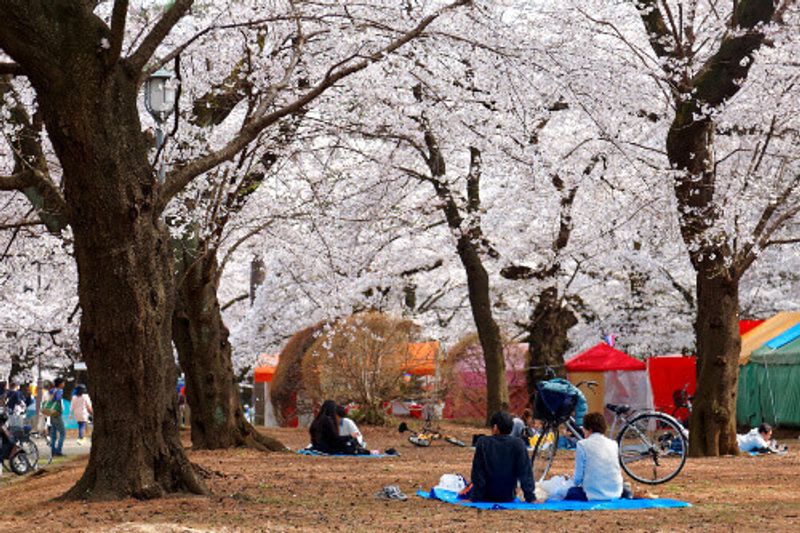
[288,492]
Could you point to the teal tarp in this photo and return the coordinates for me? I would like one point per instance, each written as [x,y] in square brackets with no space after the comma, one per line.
[769,387]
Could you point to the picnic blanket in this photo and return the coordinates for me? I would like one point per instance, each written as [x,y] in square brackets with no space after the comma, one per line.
[611,505]
[315,453]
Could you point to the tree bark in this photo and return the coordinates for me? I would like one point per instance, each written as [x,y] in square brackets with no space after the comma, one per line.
[121,246]
[548,329]
[488,330]
[201,338]
[713,421]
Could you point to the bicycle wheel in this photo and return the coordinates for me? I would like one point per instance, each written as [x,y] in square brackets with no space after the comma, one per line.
[544,452]
[652,448]
[19,464]
[32,451]
[43,451]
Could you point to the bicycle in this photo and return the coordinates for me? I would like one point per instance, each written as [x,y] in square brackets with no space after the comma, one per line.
[652,445]
[27,440]
[427,435]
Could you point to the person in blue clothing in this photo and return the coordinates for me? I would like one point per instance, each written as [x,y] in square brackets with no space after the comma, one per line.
[57,429]
[500,462]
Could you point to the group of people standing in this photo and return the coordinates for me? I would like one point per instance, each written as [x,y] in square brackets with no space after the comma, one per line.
[20,404]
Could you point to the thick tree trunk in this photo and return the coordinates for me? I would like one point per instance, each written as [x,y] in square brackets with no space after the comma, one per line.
[713,422]
[488,330]
[547,337]
[201,337]
[125,278]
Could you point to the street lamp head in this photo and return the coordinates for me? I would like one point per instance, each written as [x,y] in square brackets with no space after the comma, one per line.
[159,95]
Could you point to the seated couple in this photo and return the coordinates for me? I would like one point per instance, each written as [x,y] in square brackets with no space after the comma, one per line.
[332,432]
[501,461]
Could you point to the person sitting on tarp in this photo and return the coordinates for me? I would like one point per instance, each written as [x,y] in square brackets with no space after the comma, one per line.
[325,433]
[522,427]
[598,475]
[347,428]
[500,462]
[758,440]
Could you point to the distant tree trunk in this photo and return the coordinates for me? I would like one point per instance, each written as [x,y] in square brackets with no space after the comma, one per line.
[488,330]
[713,421]
[548,329]
[201,338]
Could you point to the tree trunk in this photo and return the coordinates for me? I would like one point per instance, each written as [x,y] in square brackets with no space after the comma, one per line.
[488,330]
[125,277]
[201,338]
[713,421]
[547,337]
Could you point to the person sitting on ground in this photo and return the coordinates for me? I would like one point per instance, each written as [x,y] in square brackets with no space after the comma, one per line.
[500,462]
[758,440]
[348,428]
[598,475]
[522,427]
[325,435]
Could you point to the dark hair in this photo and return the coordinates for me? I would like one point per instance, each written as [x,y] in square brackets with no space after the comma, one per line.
[595,422]
[78,391]
[58,381]
[328,408]
[503,421]
[527,414]
[341,412]
[764,428]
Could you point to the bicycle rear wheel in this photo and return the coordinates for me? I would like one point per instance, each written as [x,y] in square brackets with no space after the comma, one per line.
[652,448]
[544,452]
[32,451]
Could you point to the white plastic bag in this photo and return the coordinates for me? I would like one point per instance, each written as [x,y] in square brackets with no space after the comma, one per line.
[555,488]
[451,482]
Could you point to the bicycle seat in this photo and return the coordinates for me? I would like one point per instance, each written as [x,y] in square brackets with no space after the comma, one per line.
[619,409]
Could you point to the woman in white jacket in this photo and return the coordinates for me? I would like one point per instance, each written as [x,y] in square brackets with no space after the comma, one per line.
[80,410]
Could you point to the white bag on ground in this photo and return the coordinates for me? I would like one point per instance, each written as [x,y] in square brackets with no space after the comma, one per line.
[451,482]
[555,488]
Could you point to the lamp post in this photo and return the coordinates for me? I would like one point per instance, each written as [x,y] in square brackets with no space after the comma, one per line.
[159,99]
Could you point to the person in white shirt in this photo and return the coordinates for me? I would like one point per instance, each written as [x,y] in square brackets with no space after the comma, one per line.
[757,440]
[598,475]
[348,428]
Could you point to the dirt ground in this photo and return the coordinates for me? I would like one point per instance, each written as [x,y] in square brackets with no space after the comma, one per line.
[288,492]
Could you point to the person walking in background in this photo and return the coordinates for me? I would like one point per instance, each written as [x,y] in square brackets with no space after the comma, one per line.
[80,410]
[30,405]
[54,408]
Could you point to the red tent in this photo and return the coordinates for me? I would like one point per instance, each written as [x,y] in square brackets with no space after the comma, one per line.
[603,358]
[668,374]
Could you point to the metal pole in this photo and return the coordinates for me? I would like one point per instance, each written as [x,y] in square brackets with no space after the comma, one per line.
[159,144]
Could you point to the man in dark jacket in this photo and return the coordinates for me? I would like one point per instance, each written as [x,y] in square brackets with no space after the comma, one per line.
[500,461]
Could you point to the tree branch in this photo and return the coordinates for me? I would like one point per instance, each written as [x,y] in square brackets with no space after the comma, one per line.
[10,68]
[180,178]
[118,16]
[137,60]
[15,182]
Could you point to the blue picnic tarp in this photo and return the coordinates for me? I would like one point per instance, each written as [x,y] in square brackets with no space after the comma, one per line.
[450,497]
[315,453]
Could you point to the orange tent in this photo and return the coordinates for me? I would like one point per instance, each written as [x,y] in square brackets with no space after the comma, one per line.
[422,358]
[266,369]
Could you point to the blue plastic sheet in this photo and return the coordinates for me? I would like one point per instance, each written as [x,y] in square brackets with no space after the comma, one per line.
[315,453]
[784,338]
[610,505]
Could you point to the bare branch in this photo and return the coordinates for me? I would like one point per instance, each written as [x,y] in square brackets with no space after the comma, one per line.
[152,40]
[240,298]
[181,177]
[15,182]
[10,68]
[21,224]
[118,16]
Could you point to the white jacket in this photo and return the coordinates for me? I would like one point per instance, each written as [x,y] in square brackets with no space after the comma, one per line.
[80,407]
[597,467]
[751,441]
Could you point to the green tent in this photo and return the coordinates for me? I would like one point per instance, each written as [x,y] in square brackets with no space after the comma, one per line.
[769,387]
